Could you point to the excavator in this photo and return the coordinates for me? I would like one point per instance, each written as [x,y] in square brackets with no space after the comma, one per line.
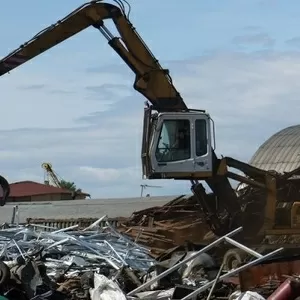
[178,143]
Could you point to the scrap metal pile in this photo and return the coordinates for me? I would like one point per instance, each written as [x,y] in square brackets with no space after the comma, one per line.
[39,262]
[167,226]
[61,265]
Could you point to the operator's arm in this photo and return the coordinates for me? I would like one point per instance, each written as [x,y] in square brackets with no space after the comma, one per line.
[151,79]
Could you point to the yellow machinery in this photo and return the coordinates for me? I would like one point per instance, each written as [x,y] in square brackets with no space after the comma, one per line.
[50,175]
[52,178]
[178,143]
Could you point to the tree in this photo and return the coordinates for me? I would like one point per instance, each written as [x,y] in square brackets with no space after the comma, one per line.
[71,186]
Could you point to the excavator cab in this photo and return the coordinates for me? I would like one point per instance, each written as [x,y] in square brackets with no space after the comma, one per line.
[177,145]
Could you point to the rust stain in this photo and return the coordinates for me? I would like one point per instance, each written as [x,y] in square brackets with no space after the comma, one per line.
[263,274]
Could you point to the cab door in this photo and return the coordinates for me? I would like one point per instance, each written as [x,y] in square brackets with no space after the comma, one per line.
[202,145]
[172,146]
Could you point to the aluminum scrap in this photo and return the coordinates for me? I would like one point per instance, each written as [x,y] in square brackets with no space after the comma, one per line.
[78,251]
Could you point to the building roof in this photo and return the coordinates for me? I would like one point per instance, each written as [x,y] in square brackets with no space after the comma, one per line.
[281,152]
[31,188]
[90,208]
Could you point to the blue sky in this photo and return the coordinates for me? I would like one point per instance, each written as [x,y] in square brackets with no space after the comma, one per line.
[74,105]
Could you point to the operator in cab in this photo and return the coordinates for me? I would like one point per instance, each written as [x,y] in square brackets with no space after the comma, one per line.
[182,145]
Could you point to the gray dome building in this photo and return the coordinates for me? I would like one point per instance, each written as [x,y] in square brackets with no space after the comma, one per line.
[281,152]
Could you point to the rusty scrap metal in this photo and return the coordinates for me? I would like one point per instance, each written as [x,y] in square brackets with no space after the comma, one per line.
[269,273]
[172,224]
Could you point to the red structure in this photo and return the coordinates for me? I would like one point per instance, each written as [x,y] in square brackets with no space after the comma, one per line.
[30,191]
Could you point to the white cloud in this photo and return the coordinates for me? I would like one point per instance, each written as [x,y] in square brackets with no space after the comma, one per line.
[261,38]
[108,175]
[293,42]
[52,100]
[90,130]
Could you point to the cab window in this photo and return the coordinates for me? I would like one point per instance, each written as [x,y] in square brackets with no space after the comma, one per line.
[201,137]
[174,142]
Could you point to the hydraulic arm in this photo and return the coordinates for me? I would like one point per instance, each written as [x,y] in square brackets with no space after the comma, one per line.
[151,79]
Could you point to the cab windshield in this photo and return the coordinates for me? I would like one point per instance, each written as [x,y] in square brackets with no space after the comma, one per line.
[174,142]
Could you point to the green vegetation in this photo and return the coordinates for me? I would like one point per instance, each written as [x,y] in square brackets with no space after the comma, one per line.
[71,186]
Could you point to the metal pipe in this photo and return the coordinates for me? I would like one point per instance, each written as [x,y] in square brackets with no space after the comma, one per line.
[17,219]
[215,282]
[55,244]
[13,217]
[242,247]
[233,272]
[42,226]
[175,267]
[116,253]
[96,223]
[19,249]
[65,229]
[289,289]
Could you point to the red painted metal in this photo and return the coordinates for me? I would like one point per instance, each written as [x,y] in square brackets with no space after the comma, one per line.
[288,290]
[263,274]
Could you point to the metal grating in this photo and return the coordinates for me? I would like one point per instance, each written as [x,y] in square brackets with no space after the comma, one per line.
[281,152]
[65,223]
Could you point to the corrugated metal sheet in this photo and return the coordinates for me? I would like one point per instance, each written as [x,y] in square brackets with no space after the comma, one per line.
[281,152]
[74,209]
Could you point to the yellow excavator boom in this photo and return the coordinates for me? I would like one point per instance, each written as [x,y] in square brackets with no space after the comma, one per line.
[151,79]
